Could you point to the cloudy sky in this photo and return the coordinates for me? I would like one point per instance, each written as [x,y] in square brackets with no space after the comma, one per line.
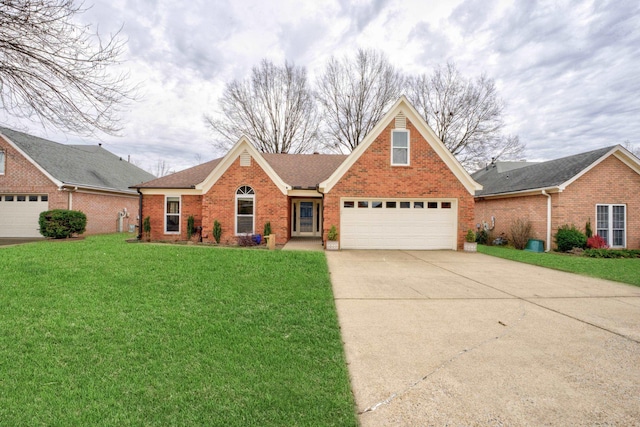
[569,71]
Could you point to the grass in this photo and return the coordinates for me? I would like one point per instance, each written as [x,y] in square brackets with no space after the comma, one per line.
[619,270]
[102,332]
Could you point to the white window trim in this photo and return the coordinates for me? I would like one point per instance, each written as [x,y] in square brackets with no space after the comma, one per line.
[610,224]
[408,147]
[166,199]
[253,214]
[3,161]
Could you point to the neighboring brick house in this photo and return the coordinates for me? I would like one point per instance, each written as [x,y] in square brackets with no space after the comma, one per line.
[400,188]
[600,186]
[38,175]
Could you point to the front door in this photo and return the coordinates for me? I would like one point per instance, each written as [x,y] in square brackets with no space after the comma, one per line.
[306,217]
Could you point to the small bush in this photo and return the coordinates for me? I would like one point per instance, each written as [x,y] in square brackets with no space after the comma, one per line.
[333,233]
[596,242]
[217,231]
[146,227]
[520,233]
[470,237]
[267,229]
[612,253]
[482,237]
[568,238]
[587,229]
[246,240]
[62,223]
[191,228]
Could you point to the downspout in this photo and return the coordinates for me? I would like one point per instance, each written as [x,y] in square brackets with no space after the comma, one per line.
[139,214]
[544,193]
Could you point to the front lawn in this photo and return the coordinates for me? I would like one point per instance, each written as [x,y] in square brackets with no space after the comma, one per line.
[102,332]
[626,270]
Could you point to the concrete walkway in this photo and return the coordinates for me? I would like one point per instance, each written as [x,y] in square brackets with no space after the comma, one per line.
[304,244]
[452,338]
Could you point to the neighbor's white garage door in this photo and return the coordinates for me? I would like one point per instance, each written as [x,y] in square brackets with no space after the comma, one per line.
[398,224]
[19,214]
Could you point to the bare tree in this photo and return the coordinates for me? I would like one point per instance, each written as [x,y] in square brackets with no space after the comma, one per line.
[56,70]
[274,108]
[466,114]
[162,168]
[354,94]
[631,147]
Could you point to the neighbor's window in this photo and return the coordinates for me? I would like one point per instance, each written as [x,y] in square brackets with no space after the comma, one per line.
[400,147]
[2,157]
[245,210]
[172,214]
[611,224]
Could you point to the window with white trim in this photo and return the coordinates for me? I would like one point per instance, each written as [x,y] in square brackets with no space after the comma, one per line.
[2,157]
[245,210]
[172,215]
[400,147]
[611,224]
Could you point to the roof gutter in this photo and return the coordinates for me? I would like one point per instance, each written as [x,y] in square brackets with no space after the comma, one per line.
[548,245]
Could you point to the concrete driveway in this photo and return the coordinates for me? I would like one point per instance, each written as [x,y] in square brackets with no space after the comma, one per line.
[453,338]
[10,241]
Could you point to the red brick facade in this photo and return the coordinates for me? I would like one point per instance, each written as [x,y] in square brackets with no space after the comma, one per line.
[427,176]
[22,177]
[610,182]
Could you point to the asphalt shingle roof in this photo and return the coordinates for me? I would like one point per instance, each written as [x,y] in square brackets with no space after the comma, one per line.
[511,177]
[298,170]
[82,165]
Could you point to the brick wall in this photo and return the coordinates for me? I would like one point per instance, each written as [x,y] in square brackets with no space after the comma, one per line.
[610,182]
[270,204]
[102,211]
[427,177]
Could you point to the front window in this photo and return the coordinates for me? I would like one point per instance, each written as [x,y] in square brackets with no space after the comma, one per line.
[245,210]
[172,223]
[2,157]
[400,147]
[611,224]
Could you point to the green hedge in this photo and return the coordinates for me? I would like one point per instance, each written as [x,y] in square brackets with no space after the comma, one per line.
[62,223]
[612,253]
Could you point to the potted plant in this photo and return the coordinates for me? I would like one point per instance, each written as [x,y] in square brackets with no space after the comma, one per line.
[332,243]
[470,244]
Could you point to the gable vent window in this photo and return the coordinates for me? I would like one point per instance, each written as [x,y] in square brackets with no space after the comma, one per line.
[400,147]
[245,158]
[401,121]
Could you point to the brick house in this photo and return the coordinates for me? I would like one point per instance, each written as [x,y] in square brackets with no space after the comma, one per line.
[38,175]
[601,186]
[400,188]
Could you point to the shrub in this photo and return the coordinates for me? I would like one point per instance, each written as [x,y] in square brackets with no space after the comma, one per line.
[587,229]
[482,237]
[333,233]
[470,237]
[217,231]
[146,227]
[246,240]
[612,253]
[267,229]
[520,233]
[62,223]
[190,226]
[596,242]
[568,238]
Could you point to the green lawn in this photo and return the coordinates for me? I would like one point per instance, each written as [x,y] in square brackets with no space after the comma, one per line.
[106,333]
[619,270]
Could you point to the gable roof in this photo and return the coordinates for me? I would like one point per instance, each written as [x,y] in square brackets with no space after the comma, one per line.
[404,106]
[552,175]
[298,171]
[88,166]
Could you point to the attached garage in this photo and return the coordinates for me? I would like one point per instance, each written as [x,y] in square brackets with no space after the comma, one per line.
[415,224]
[19,214]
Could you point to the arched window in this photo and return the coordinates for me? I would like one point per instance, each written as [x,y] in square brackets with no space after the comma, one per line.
[245,210]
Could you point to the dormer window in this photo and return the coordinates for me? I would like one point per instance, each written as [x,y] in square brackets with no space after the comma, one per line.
[400,147]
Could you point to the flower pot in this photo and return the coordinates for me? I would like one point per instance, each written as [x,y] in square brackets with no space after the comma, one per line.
[470,247]
[332,245]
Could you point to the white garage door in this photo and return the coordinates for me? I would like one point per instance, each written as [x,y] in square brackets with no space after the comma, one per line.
[398,224]
[19,214]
